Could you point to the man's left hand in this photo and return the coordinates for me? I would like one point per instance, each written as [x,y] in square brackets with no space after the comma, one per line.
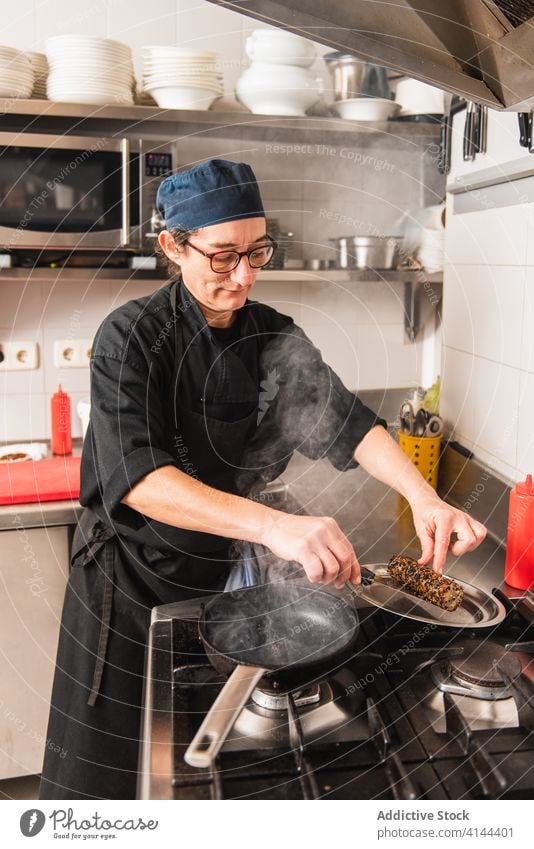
[435,522]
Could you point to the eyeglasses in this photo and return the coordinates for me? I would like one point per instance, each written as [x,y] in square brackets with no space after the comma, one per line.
[224,261]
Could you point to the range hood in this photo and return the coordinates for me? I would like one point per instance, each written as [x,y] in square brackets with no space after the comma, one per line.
[482,50]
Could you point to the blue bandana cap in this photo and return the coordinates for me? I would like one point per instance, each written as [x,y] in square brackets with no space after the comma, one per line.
[210,193]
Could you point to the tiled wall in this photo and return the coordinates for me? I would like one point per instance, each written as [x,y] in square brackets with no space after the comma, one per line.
[317,192]
[488,326]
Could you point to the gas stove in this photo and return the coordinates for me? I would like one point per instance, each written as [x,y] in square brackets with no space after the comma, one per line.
[417,712]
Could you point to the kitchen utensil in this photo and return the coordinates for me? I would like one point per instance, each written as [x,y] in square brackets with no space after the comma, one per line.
[407,418]
[353,79]
[481,129]
[444,161]
[270,631]
[366,108]
[477,610]
[378,252]
[433,426]
[469,130]
[34,481]
[525,128]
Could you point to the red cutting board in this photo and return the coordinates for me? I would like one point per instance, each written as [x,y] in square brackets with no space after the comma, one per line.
[30,481]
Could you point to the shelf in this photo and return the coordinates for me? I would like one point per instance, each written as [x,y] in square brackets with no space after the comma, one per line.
[64,275]
[153,121]
[355,276]
[44,275]
[416,283]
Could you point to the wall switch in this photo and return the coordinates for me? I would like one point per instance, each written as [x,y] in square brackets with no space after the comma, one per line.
[19,356]
[72,353]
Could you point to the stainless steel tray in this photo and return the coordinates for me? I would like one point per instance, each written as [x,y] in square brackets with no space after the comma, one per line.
[477,610]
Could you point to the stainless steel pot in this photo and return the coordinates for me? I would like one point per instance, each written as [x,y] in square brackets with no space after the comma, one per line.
[352,78]
[367,251]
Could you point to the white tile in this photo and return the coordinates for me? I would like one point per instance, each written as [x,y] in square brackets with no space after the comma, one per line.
[69,17]
[138,24]
[495,402]
[527,335]
[284,297]
[23,417]
[208,27]
[17,28]
[130,290]
[487,237]
[525,440]
[497,304]
[530,237]
[456,405]
[71,305]
[459,283]
[22,304]
[364,356]
[503,470]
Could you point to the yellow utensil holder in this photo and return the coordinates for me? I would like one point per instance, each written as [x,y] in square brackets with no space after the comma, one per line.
[424,452]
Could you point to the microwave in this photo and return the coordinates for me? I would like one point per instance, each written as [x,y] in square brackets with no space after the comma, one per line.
[80,193]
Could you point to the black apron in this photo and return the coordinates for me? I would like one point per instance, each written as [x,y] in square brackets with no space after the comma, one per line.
[115,581]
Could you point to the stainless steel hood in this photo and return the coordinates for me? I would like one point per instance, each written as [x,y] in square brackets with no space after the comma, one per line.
[482,50]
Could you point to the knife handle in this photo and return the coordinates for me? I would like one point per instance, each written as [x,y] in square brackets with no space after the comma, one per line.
[444,161]
[468,150]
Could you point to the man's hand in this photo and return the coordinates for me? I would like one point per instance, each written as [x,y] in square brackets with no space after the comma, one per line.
[435,521]
[317,543]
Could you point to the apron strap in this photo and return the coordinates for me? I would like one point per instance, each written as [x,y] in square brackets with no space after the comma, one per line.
[105,622]
[99,537]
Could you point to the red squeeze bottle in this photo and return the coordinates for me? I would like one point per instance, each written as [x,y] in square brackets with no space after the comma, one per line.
[519,567]
[61,430]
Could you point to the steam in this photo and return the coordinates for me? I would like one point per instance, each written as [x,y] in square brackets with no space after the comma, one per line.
[306,413]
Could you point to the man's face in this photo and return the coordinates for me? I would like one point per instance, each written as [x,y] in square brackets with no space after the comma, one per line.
[218,292]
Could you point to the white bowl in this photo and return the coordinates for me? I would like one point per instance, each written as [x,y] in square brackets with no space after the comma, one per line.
[366,108]
[183,97]
[417,98]
[280,48]
[277,89]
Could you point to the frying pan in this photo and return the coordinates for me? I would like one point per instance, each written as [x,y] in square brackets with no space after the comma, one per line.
[280,631]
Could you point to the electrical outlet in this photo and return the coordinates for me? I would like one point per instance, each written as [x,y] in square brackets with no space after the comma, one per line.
[72,353]
[19,356]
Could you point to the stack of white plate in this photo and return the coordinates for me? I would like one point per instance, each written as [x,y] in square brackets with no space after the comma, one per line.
[16,75]
[181,77]
[39,64]
[87,69]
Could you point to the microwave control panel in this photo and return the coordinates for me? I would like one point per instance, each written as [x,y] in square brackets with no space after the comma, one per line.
[158,164]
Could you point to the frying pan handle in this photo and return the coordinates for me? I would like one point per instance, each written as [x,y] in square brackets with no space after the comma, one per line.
[222,716]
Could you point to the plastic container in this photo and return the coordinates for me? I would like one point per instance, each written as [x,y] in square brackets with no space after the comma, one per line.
[61,426]
[519,566]
[424,452]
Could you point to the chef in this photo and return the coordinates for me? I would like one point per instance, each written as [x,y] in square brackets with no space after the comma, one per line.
[188,387]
